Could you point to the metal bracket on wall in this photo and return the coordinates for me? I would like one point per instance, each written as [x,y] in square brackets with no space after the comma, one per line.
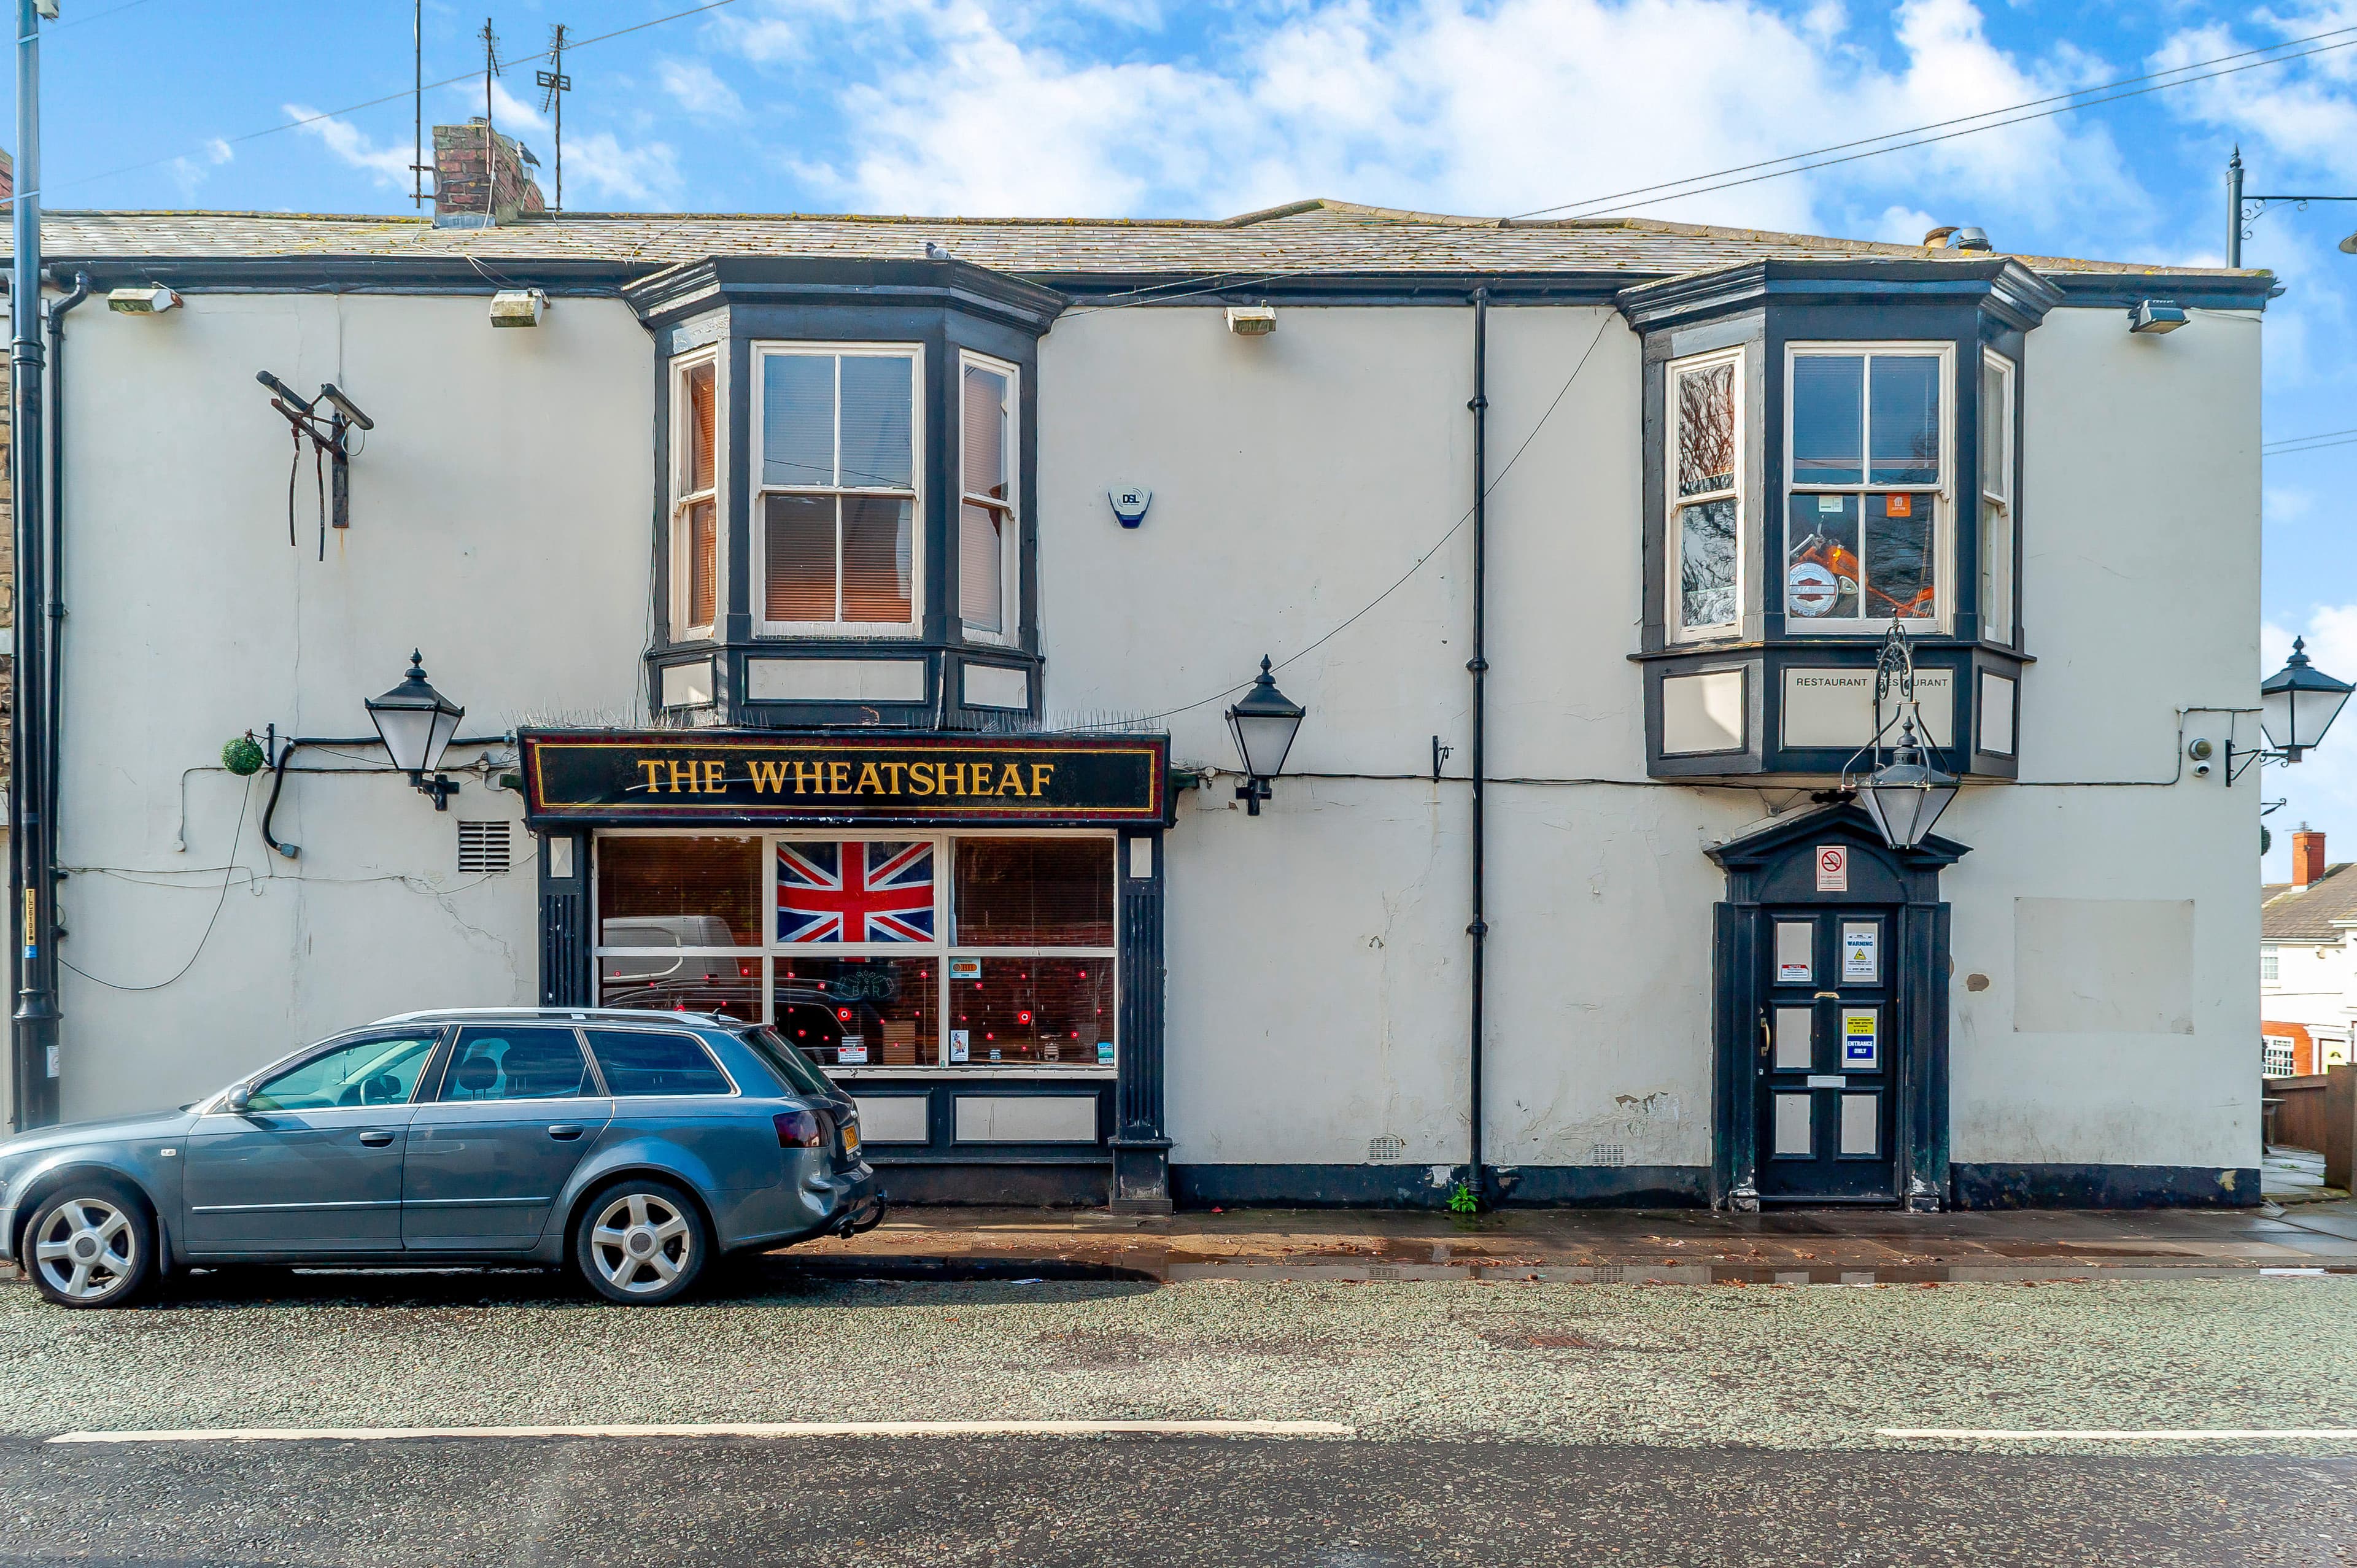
[330,434]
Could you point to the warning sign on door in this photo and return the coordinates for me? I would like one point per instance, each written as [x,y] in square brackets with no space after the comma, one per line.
[1832,869]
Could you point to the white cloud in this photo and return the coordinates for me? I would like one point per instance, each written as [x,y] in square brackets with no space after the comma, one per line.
[189,173]
[696,88]
[388,165]
[597,164]
[960,106]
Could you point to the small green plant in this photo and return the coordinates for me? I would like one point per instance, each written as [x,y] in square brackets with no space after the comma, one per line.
[1461,1200]
[242,757]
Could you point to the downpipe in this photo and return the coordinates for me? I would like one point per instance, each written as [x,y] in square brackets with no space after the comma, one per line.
[1478,1171]
[55,312]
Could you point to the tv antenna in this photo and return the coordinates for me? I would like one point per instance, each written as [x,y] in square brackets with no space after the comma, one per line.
[555,84]
[490,161]
[418,169]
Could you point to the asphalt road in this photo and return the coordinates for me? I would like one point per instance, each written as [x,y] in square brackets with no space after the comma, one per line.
[1495,1423]
[1337,1503]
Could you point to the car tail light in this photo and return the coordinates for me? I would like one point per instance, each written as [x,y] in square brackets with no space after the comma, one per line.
[800,1129]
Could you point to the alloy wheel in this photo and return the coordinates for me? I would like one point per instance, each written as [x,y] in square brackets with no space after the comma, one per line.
[87,1250]
[639,1244]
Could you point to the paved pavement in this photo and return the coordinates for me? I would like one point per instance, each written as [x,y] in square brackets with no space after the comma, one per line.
[1683,1246]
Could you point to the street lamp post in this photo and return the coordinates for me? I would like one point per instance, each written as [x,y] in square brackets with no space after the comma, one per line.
[2241,210]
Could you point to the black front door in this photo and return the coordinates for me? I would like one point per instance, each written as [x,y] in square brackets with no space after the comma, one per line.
[1826,1050]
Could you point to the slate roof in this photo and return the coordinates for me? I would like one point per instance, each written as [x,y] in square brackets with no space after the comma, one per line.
[2308,916]
[1304,237]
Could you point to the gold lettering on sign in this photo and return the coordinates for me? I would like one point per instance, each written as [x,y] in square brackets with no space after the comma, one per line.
[1010,780]
[838,777]
[811,775]
[1041,772]
[921,777]
[682,778]
[716,778]
[769,778]
[869,783]
[895,770]
[652,768]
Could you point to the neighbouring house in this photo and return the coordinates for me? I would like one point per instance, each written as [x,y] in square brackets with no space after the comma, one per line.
[845,612]
[2307,963]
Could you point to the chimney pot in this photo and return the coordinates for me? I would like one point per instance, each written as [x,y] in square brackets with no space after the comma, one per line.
[2307,858]
[476,187]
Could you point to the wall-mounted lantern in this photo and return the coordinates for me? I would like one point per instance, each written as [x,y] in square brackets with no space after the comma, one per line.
[1906,793]
[1264,724]
[2297,705]
[416,723]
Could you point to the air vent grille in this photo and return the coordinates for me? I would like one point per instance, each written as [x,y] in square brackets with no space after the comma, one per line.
[486,846]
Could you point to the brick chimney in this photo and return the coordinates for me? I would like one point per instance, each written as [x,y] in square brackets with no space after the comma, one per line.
[7,176]
[2307,858]
[480,178]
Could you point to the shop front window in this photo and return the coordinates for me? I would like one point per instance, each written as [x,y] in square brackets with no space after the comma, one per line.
[954,952]
[1865,523]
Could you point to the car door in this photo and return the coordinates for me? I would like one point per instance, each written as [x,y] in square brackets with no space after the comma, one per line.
[515,1109]
[312,1164]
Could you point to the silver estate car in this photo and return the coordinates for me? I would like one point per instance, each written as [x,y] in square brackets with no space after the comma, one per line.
[633,1146]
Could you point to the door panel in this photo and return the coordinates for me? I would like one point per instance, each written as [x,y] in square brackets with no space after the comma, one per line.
[1826,1054]
[295,1181]
[312,1165]
[514,1113]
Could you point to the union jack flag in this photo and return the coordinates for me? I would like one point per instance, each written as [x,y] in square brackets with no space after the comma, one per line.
[856,892]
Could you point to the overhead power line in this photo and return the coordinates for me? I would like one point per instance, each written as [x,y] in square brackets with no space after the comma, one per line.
[296,124]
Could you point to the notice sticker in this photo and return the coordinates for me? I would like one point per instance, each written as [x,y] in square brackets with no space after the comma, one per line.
[1105,1053]
[1827,505]
[1860,963]
[1900,506]
[853,1052]
[966,969]
[1833,868]
[1861,1039]
[957,1045]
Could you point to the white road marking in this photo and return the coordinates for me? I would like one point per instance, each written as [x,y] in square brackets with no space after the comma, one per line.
[2199,1434]
[735,1429]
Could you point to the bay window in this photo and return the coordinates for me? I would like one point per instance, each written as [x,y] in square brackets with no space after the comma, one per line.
[836,509]
[986,531]
[1704,453]
[1997,497]
[1866,497]
[887,951]
[696,490]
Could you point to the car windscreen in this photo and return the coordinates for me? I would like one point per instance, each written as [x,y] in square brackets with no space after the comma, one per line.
[792,1065]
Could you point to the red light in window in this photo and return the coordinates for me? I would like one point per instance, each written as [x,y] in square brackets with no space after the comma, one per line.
[843,1014]
[1084,974]
[1024,1016]
[746,969]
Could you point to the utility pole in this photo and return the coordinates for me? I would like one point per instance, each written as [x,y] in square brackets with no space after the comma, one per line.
[417,66]
[32,855]
[490,163]
[556,84]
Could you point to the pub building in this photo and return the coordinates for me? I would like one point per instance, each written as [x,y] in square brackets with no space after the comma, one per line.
[1752,698]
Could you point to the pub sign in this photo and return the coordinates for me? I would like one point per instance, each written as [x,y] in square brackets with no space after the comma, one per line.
[669,777]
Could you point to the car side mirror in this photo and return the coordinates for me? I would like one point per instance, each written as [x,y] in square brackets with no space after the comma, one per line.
[239,1097]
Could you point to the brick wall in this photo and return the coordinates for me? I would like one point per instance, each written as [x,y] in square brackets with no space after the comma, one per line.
[465,167]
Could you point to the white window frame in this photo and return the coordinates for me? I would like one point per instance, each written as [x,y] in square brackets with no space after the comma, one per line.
[1942,494]
[2006,429]
[684,628]
[758,469]
[769,950]
[2278,1055]
[1675,535]
[2270,966]
[1011,560]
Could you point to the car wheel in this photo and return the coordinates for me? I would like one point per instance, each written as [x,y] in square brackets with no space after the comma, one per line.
[641,1242]
[91,1244]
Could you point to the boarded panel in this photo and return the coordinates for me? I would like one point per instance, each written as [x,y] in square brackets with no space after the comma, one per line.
[2103,966]
[1791,1133]
[1026,1119]
[891,1118]
[835,679]
[1836,707]
[1701,714]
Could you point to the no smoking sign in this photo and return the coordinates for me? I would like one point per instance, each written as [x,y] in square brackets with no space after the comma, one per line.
[1832,869]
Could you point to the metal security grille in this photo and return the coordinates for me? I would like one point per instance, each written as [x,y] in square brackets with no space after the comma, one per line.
[485,847]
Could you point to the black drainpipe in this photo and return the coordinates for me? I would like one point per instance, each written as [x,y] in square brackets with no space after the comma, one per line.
[55,674]
[1477,1177]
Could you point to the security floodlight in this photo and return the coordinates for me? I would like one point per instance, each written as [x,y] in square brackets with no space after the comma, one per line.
[518,306]
[153,301]
[2156,316]
[1251,320]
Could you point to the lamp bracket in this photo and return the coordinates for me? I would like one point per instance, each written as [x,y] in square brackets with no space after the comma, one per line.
[440,788]
[2241,759]
[326,420]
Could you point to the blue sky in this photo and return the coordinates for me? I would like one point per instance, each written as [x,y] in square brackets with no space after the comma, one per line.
[1137,107]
